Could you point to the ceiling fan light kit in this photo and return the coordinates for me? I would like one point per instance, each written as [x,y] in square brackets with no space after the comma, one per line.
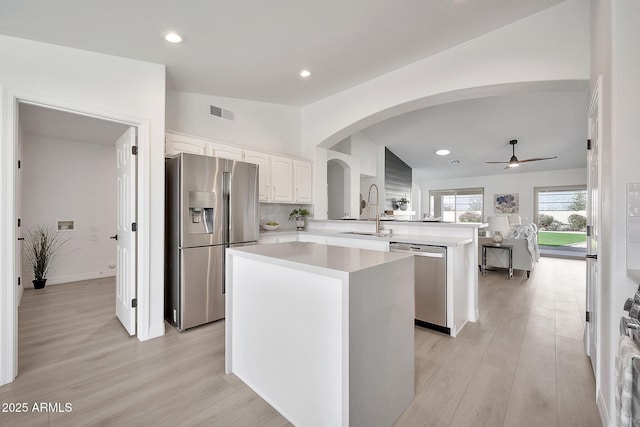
[514,162]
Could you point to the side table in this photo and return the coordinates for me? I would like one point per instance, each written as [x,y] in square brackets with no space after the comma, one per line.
[509,248]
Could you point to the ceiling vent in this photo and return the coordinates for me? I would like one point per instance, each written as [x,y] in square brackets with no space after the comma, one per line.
[221,113]
[455,162]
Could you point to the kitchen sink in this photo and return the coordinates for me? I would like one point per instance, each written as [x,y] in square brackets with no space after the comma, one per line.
[364,233]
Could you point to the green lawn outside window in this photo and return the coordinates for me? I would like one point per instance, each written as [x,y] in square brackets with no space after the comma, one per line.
[559,238]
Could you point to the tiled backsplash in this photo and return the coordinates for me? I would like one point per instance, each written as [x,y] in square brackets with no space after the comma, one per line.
[279,213]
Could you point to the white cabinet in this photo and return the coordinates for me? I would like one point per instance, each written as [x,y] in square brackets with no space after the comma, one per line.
[302,181]
[224,151]
[175,144]
[264,171]
[281,179]
[276,178]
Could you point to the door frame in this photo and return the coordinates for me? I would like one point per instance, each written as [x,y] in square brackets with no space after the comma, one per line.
[8,220]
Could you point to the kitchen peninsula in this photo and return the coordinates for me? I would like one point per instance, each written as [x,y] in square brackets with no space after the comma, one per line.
[460,241]
[323,333]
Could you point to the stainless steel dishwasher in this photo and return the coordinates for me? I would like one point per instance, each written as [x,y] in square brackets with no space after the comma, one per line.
[430,283]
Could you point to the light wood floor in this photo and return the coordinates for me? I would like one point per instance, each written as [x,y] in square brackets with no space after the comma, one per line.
[521,364]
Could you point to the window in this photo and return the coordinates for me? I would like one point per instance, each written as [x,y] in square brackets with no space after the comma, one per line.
[560,213]
[457,205]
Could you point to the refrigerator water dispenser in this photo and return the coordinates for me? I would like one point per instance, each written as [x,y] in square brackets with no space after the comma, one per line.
[201,211]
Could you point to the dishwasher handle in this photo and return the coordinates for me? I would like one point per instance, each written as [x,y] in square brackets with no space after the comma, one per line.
[428,254]
[418,250]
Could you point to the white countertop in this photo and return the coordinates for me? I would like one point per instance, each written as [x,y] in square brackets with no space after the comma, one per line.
[303,255]
[402,238]
[409,223]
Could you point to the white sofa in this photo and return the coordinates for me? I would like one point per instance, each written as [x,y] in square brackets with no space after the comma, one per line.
[522,258]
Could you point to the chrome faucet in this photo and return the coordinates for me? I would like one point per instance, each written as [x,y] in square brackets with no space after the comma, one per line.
[378,224]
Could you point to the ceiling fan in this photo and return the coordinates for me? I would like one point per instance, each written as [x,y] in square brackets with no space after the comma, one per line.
[514,162]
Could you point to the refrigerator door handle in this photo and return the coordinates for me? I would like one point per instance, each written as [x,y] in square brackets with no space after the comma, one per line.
[226,195]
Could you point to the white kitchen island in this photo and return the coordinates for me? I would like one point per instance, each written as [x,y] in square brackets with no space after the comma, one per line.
[323,333]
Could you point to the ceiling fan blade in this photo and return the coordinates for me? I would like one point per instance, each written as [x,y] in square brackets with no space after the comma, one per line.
[497,162]
[535,159]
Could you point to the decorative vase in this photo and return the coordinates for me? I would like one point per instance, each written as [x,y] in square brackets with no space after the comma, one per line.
[497,238]
[403,206]
[39,283]
[299,223]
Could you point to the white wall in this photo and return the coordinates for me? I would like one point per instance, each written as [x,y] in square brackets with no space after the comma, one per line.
[518,52]
[259,125]
[516,57]
[521,183]
[601,49]
[366,150]
[71,181]
[379,181]
[108,86]
[615,57]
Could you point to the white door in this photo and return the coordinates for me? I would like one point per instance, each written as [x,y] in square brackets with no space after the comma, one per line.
[593,230]
[19,233]
[125,235]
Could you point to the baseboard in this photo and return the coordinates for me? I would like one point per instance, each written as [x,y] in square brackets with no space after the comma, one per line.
[73,278]
[602,410]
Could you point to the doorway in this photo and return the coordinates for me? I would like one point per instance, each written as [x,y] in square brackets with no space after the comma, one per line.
[560,214]
[338,189]
[69,180]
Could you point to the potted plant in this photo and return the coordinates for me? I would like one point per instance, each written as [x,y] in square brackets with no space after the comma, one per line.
[299,214]
[41,247]
[403,203]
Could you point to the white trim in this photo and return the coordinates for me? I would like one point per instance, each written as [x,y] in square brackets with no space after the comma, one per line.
[8,275]
[74,278]
[8,312]
[602,410]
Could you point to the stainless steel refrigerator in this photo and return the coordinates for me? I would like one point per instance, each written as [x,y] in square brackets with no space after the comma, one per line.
[211,204]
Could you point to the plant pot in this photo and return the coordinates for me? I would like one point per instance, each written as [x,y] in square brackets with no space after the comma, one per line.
[403,206]
[39,284]
[300,223]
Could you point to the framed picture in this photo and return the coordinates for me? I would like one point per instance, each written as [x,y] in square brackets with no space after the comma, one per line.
[506,203]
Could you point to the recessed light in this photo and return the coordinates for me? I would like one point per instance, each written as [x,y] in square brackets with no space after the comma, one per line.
[305,73]
[443,152]
[173,37]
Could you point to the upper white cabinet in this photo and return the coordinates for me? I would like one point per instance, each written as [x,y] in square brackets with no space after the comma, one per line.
[302,181]
[224,151]
[281,179]
[175,144]
[264,171]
